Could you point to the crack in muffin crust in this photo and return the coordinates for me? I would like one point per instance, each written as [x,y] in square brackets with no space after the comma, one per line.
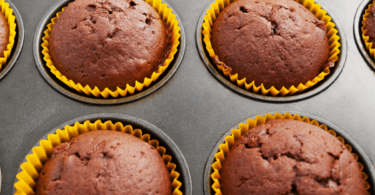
[109,43]
[98,161]
[278,43]
[289,157]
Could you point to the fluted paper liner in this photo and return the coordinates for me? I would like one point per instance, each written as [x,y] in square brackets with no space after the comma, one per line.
[35,161]
[225,147]
[8,13]
[171,23]
[366,39]
[315,8]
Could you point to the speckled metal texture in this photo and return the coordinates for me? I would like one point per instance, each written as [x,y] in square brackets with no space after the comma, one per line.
[362,157]
[193,108]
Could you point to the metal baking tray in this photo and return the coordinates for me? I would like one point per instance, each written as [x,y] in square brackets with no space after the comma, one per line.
[193,108]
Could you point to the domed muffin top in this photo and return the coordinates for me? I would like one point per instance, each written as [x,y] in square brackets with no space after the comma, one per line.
[104,162]
[290,157]
[274,42]
[108,43]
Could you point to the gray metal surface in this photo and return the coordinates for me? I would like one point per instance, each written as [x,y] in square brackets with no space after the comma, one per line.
[147,128]
[193,108]
[362,157]
[66,90]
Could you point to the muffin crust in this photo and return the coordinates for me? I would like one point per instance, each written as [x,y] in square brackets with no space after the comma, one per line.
[290,157]
[108,43]
[4,34]
[104,162]
[274,42]
[370,24]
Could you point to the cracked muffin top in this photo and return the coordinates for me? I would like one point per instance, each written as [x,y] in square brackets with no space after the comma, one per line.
[274,42]
[370,24]
[108,43]
[104,162]
[290,157]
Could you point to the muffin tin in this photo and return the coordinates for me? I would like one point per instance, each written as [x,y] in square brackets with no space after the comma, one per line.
[193,108]
[66,90]
[362,157]
[18,43]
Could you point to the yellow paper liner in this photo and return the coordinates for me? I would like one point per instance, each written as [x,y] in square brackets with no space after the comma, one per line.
[225,147]
[172,24]
[35,161]
[8,13]
[315,8]
[366,39]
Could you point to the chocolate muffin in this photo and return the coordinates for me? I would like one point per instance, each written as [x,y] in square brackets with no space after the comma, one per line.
[104,162]
[274,42]
[4,34]
[290,157]
[108,43]
[369,24]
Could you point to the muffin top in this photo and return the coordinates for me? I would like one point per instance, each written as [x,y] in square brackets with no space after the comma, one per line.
[290,157]
[370,24]
[104,162]
[108,43]
[274,42]
[4,34]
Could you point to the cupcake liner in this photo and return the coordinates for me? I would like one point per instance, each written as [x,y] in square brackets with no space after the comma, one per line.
[225,147]
[40,154]
[321,14]
[172,24]
[8,13]
[369,45]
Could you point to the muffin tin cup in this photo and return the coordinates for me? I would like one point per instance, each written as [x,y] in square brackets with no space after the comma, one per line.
[147,128]
[73,94]
[18,43]
[362,157]
[358,33]
[316,89]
